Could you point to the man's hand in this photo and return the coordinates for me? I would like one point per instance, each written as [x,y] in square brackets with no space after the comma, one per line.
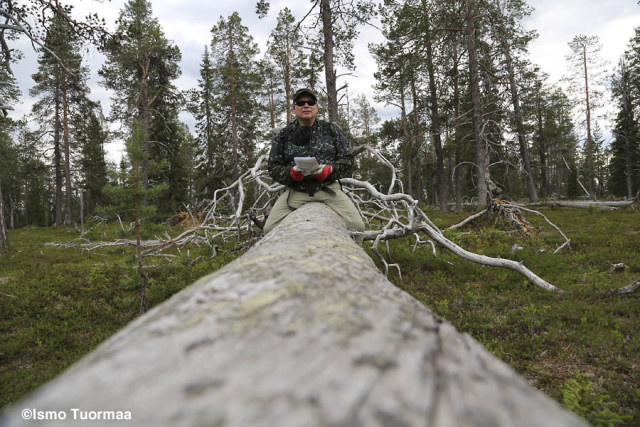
[296,174]
[323,172]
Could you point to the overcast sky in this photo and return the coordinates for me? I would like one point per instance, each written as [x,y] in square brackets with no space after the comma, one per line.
[188,24]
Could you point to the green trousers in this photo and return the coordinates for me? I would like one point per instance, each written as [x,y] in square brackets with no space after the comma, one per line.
[292,199]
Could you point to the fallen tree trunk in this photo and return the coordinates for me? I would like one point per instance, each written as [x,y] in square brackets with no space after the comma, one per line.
[301,330]
[601,204]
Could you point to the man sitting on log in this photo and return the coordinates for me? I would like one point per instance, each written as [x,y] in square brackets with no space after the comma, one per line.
[303,139]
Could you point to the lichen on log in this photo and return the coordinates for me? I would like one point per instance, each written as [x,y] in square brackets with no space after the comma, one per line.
[301,330]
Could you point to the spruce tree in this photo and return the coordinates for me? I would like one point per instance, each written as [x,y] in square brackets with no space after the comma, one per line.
[624,167]
[285,48]
[91,136]
[235,89]
[210,165]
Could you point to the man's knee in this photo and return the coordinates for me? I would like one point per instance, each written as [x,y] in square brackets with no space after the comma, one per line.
[355,223]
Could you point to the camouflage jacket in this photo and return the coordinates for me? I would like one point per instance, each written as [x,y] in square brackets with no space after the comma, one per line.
[323,140]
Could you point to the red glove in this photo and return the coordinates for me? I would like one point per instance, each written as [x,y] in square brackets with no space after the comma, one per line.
[324,173]
[296,175]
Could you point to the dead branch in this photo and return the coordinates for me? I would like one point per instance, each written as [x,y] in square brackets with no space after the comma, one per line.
[567,241]
[511,212]
[618,266]
[467,220]
[625,290]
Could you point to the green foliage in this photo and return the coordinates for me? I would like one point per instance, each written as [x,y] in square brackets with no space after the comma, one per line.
[624,166]
[579,396]
[128,198]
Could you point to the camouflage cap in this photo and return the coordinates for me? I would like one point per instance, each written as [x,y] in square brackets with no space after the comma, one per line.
[304,91]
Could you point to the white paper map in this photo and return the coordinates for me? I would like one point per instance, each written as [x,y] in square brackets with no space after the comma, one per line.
[307,165]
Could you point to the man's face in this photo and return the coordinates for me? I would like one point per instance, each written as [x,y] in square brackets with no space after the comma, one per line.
[305,113]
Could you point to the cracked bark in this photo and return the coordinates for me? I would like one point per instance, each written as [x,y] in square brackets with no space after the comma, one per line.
[301,330]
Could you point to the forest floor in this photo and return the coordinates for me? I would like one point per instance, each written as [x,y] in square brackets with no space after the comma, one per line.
[579,347]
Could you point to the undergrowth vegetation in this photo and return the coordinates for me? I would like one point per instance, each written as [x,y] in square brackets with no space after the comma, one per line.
[57,304]
[581,348]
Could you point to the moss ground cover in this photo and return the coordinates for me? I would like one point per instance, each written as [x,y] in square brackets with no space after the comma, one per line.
[579,347]
[57,304]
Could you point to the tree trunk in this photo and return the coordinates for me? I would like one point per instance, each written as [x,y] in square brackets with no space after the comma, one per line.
[272,102]
[287,76]
[301,330]
[456,129]
[443,189]
[235,167]
[544,182]
[628,147]
[329,72]
[4,239]
[414,155]
[519,122]
[406,139]
[482,154]
[57,155]
[144,111]
[590,169]
[597,204]
[141,271]
[67,151]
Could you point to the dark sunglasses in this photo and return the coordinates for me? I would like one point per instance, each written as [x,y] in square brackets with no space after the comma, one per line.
[310,103]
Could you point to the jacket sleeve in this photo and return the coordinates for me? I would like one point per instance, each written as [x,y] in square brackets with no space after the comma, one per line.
[278,168]
[343,166]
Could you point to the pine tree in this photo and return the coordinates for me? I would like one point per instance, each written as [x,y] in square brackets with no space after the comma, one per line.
[584,80]
[61,84]
[129,200]
[337,24]
[511,39]
[554,141]
[8,162]
[140,68]
[396,71]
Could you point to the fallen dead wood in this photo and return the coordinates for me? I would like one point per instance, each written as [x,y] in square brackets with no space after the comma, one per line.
[301,330]
[414,220]
[625,290]
[511,212]
[604,205]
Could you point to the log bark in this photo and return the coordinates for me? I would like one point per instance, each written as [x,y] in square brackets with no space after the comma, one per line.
[603,204]
[301,330]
